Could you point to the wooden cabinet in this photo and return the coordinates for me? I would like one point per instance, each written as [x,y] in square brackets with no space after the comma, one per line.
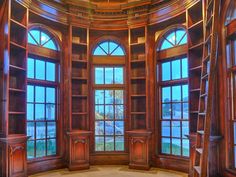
[78,150]
[139,149]
[13,156]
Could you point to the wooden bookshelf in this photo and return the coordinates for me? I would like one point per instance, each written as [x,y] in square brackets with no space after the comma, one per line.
[138,96]
[79,79]
[13,137]
[78,134]
[195,50]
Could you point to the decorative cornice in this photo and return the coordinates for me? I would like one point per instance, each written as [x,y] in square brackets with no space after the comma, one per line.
[86,14]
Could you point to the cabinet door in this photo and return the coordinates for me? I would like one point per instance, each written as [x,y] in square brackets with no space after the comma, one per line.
[80,152]
[138,150]
[17,163]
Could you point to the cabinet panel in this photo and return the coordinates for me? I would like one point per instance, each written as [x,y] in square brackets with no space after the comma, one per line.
[17,158]
[79,150]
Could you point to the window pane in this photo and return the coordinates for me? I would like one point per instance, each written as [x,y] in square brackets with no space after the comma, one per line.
[172,38]
[119,143]
[50,95]
[109,127]
[44,38]
[118,52]
[31,40]
[99,112]
[176,111]
[30,93]
[165,145]
[185,147]
[166,45]
[30,111]
[99,143]
[99,76]
[165,128]
[39,111]
[185,92]
[50,111]
[176,132]
[119,76]
[99,96]
[179,35]
[119,112]
[185,129]
[40,70]
[30,149]
[30,68]
[51,129]
[104,46]
[184,68]
[166,111]
[166,71]
[99,128]
[109,97]
[176,69]
[35,34]
[30,130]
[51,147]
[109,146]
[166,94]
[119,97]
[176,146]
[99,51]
[119,127]
[176,93]
[109,112]
[40,130]
[112,46]
[50,45]
[50,71]
[39,94]
[40,148]
[184,40]
[185,111]
[108,75]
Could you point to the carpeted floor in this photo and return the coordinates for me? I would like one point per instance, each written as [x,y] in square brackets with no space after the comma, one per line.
[112,171]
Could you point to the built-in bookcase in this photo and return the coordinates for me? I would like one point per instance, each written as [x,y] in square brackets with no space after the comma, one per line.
[138,78]
[79,79]
[13,28]
[78,134]
[195,50]
[17,69]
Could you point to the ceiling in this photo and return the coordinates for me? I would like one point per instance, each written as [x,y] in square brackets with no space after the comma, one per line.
[103,4]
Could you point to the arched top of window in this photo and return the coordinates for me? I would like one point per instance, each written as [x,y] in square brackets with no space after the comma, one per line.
[173,38]
[109,48]
[231,13]
[42,38]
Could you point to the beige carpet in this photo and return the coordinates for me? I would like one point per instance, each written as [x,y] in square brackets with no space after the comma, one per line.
[112,171]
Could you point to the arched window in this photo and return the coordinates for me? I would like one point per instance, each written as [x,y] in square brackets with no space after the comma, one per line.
[231,85]
[173,38]
[109,48]
[172,90]
[41,38]
[42,94]
[109,94]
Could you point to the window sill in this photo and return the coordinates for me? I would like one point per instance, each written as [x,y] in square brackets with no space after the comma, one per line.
[172,157]
[29,161]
